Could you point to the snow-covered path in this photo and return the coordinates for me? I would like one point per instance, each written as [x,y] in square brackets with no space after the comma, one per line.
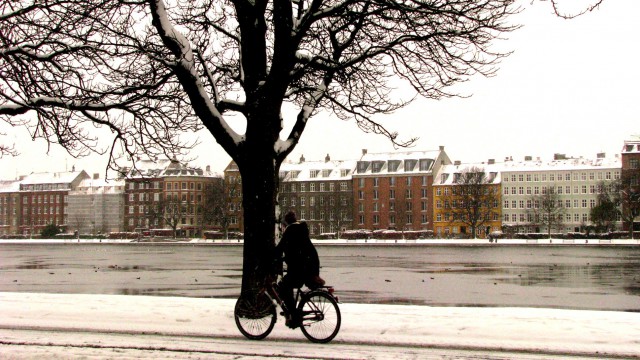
[36,325]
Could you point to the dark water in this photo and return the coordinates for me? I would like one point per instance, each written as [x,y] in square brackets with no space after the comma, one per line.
[577,277]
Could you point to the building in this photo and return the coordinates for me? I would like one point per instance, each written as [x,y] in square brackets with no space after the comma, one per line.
[44,198]
[631,184]
[233,187]
[467,196]
[392,190]
[9,206]
[575,180]
[320,192]
[164,195]
[96,206]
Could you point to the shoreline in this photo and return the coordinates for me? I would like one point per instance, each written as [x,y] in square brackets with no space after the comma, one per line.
[346,242]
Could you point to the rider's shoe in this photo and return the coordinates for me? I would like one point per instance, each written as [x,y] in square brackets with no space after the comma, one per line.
[292,323]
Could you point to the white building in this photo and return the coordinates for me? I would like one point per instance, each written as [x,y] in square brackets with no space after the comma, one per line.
[96,206]
[576,180]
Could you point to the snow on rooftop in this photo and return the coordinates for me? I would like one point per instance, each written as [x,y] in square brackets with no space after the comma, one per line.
[317,170]
[446,173]
[53,177]
[9,185]
[397,163]
[600,163]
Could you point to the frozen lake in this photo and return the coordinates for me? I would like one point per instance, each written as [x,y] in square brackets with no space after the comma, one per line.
[576,277]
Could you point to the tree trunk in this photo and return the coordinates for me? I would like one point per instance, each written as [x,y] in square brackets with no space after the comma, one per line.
[259,194]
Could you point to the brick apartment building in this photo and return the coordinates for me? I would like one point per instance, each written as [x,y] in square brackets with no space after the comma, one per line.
[163,194]
[43,199]
[393,190]
[631,170]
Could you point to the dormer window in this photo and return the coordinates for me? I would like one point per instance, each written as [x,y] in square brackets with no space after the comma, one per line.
[410,165]
[314,173]
[377,166]
[326,172]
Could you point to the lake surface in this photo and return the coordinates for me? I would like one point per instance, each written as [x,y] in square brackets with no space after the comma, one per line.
[574,277]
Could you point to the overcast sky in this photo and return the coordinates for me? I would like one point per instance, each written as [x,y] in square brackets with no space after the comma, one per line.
[571,86]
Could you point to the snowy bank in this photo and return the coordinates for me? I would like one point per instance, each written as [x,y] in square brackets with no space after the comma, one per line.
[75,320]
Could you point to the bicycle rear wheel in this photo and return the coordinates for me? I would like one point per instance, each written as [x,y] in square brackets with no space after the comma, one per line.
[255,316]
[320,317]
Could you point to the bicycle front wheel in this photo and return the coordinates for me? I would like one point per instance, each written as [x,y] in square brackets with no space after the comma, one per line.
[255,316]
[320,317]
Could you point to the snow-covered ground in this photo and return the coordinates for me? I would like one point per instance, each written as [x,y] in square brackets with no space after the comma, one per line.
[38,325]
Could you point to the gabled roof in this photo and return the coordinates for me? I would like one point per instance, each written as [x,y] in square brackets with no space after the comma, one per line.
[599,163]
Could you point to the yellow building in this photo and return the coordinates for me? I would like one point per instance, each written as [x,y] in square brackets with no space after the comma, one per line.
[467,200]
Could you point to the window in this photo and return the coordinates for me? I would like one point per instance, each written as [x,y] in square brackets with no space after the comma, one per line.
[392,181]
[408,193]
[312,187]
[375,194]
[322,187]
[376,182]
[314,173]
[392,194]
[303,187]
[343,186]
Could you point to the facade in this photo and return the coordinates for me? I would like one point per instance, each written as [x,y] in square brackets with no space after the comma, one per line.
[466,195]
[392,190]
[163,195]
[631,171]
[320,192]
[9,207]
[233,183]
[44,198]
[96,207]
[575,180]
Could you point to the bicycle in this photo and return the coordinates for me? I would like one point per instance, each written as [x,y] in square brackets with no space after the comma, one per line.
[255,313]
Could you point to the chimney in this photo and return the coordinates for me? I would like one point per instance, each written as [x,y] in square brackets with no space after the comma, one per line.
[558,156]
[327,158]
[601,155]
[441,147]
[364,152]
[96,176]
[491,161]
[208,168]
[457,162]
[528,158]
[301,159]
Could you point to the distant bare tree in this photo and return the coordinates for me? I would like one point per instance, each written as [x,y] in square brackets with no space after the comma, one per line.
[547,209]
[473,199]
[628,190]
[607,210]
[218,197]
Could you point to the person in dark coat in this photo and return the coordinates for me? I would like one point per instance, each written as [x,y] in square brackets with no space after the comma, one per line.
[303,264]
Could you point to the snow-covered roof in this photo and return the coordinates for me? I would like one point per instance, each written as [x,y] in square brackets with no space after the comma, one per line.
[99,186]
[632,146]
[66,177]
[334,170]
[9,186]
[600,163]
[167,168]
[397,163]
[447,173]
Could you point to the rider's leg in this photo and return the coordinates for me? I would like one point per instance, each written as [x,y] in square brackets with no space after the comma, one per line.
[288,284]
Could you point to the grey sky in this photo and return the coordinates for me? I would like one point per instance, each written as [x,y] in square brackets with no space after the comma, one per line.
[569,87]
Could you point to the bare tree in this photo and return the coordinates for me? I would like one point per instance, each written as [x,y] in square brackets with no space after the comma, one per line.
[218,197]
[144,72]
[547,209]
[628,190]
[474,199]
[607,210]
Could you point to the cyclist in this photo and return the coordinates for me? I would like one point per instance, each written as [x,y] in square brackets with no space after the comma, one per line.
[303,264]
